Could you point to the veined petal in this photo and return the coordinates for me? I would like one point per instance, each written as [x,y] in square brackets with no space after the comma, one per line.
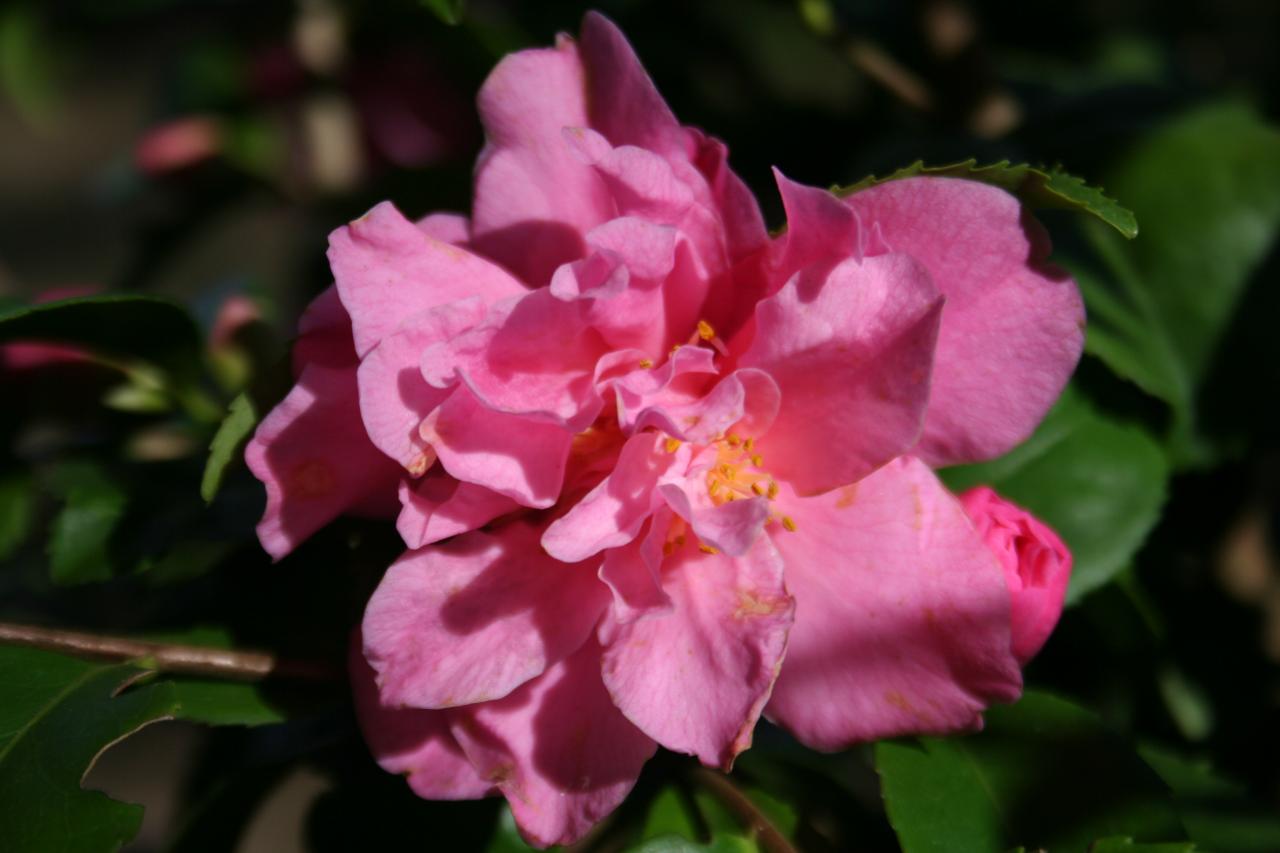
[438,506]
[518,457]
[1013,327]
[902,614]
[851,352]
[314,456]
[471,619]
[416,744]
[557,748]
[695,676]
[387,269]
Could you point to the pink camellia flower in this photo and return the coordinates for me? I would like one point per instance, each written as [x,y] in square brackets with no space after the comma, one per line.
[658,472]
[1037,566]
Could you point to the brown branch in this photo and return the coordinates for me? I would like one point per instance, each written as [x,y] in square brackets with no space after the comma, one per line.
[236,665]
[747,812]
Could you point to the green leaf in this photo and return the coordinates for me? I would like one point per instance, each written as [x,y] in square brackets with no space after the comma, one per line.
[675,844]
[126,329]
[1037,187]
[225,703]
[1123,844]
[449,11]
[1207,187]
[80,536]
[57,716]
[669,814]
[235,430]
[16,499]
[1043,774]
[1099,483]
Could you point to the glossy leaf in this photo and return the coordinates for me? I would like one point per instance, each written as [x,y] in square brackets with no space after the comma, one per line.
[58,714]
[1122,844]
[228,442]
[449,11]
[1207,189]
[1037,187]
[15,511]
[1043,774]
[1098,482]
[81,534]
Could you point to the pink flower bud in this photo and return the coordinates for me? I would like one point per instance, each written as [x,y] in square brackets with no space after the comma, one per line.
[1036,563]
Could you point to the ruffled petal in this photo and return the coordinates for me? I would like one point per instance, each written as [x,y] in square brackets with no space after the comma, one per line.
[394,398]
[851,352]
[438,506]
[315,458]
[612,513]
[557,748]
[1013,327]
[518,457]
[416,744]
[387,269]
[695,676]
[534,197]
[902,615]
[471,619]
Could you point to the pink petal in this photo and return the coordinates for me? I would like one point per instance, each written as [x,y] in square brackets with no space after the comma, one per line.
[532,356]
[1036,563]
[611,514]
[534,197]
[314,456]
[632,572]
[678,381]
[695,677]
[851,353]
[557,748]
[902,616]
[744,225]
[1013,327]
[452,228]
[625,105]
[324,334]
[521,458]
[821,229]
[394,398]
[438,506]
[414,743]
[387,269]
[747,399]
[731,527]
[471,619]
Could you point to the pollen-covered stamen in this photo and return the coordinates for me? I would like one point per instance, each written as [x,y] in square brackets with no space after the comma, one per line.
[706,333]
[737,472]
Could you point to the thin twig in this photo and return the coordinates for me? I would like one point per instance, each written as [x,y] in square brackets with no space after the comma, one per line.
[236,665]
[720,787]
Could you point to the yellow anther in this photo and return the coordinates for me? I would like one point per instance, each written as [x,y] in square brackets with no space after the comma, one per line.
[733,440]
[675,349]
[788,523]
[705,330]
[672,445]
[749,444]
[726,471]
[757,460]
[707,549]
[773,490]
[646,363]
[760,490]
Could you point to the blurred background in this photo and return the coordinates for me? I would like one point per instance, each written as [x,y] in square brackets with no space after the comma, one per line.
[202,152]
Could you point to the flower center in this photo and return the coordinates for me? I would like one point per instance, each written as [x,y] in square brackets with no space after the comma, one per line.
[738,472]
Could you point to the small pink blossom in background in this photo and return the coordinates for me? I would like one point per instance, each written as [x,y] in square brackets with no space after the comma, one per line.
[24,356]
[1037,566]
[659,473]
[178,144]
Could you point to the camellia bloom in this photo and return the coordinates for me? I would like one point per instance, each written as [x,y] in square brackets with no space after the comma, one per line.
[658,472]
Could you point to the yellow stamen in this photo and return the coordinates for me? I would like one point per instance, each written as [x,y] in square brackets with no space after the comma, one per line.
[726,471]
[646,363]
[788,523]
[675,349]
[705,330]
[757,460]
[707,549]
[672,445]
[749,444]
[733,440]
[760,490]
[773,490]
